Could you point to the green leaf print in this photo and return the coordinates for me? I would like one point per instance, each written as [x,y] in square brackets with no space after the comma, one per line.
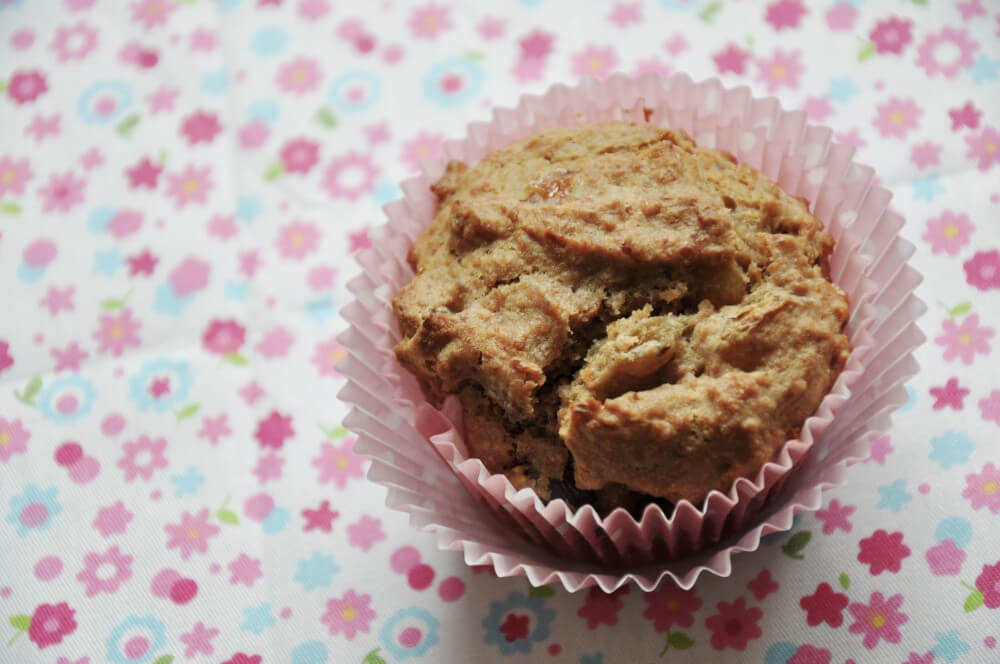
[866,52]
[227,516]
[680,640]
[974,600]
[165,659]
[541,591]
[10,207]
[20,623]
[187,411]
[237,359]
[373,658]
[475,56]
[326,117]
[845,581]
[793,547]
[274,171]
[960,309]
[126,126]
[709,12]
[30,392]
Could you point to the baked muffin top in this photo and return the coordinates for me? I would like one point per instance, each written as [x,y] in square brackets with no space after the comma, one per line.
[622,312]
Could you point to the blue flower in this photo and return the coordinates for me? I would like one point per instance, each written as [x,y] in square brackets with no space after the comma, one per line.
[386,191]
[188,483]
[454,82]
[842,89]
[678,5]
[911,400]
[147,628]
[34,509]
[104,102]
[275,521]
[236,290]
[215,82]
[29,273]
[317,571]
[268,41]
[263,110]
[310,652]
[165,301]
[257,619]
[508,619]
[407,621]
[779,652]
[227,5]
[355,91]
[894,496]
[952,448]
[99,218]
[949,646]
[106,263]
[160,384]
[956,529]
[927,188]
[66,399]
[320,311]
[984,69]
[248,208]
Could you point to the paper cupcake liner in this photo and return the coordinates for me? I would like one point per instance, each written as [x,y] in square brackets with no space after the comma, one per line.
[419,455]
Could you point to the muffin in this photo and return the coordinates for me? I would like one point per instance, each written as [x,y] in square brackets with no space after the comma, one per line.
[626,318]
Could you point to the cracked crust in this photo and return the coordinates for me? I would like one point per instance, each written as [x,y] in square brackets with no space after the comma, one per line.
[624,316]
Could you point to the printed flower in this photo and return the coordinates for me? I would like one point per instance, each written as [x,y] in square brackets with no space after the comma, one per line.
[454,81]
[200,127]
[668,605]
[781,69]
[274,430]
[6,361]
[299,76]
[223,337]
[517,623]
[50,623]
[950,395]
[112,520]
[190,276]
[160,384]
[13,439]
[62,193]
[143,457]
[733,59]
[652,66]
[104,102]
[192,185]
[947,52]
[984,147]
[191,534]
[763,585]
[254,134]
[926,154]
[299,156]
[897,117]
[349,615]
[883,552]
[297,240]
[824,605]
[242,658]
[879,619]
[14,175]
[841,16]
[891,35]
[809,654]
[34,509]
[945,559]
[26,86]
[785,14]
[988,583]
[430,20]
[199,640]
[365,532]
[327,355]
[981,489]
[409,633]
[116,333]
[595,61]
[136,640]
[964,340]
[355,91]
[350,176]
[152,13]
[74,43]
[602,608]
[734,625]
[144,174]
[338,464]
[983,270]
[989,406]
[66,399]
[951,448]
[948,233]
[422,146]
[97,580]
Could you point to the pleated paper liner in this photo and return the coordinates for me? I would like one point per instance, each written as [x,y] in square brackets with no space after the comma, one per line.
[418,453]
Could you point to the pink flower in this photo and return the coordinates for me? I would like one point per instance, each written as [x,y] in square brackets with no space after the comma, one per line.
[116,333]
[948,61]
[338,464]
[214,428]
[880,619]
[422,146]
[274,430]
[50,623]
[945,559]
[142,457]
[365,532]
[491,28]
[950,395]
[62,193]
[269,467]
[883,552]
[152,13]
[948,233]
[990,407]
[297,240]
[192,185]
[327,355]
[67,359]
[241,658]
[223,337]
[26,86]
[841,16]
[349,615]
[733,59]
[808,654]
[595,61]
[6,361]
[537,44]
[896,117]
[299,76]
[199,640]
[428,21]
[785,14]
[14,175]
[914,658]
[983,489]
[254,134]
[625,14]
[668,605]
[824,606]
[818,108]
[965,340]
[13,439]
[200,127]
[734,625]
[143,174]
[350,176]
[984,147]
[836,516]
[124,223]
[891,35]
[112,520]
[312,10]
[244,569]
[222,227]
[988,582]
[300,155]
[191,534]
[602,608]
[781,69]
[763,585]
[97,580]
[275,343]
[74,43]
[203,39]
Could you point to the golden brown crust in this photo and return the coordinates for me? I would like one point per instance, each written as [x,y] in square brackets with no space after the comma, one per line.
[623,311]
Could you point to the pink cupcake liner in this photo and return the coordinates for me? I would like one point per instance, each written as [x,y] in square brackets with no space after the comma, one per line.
[418,453]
